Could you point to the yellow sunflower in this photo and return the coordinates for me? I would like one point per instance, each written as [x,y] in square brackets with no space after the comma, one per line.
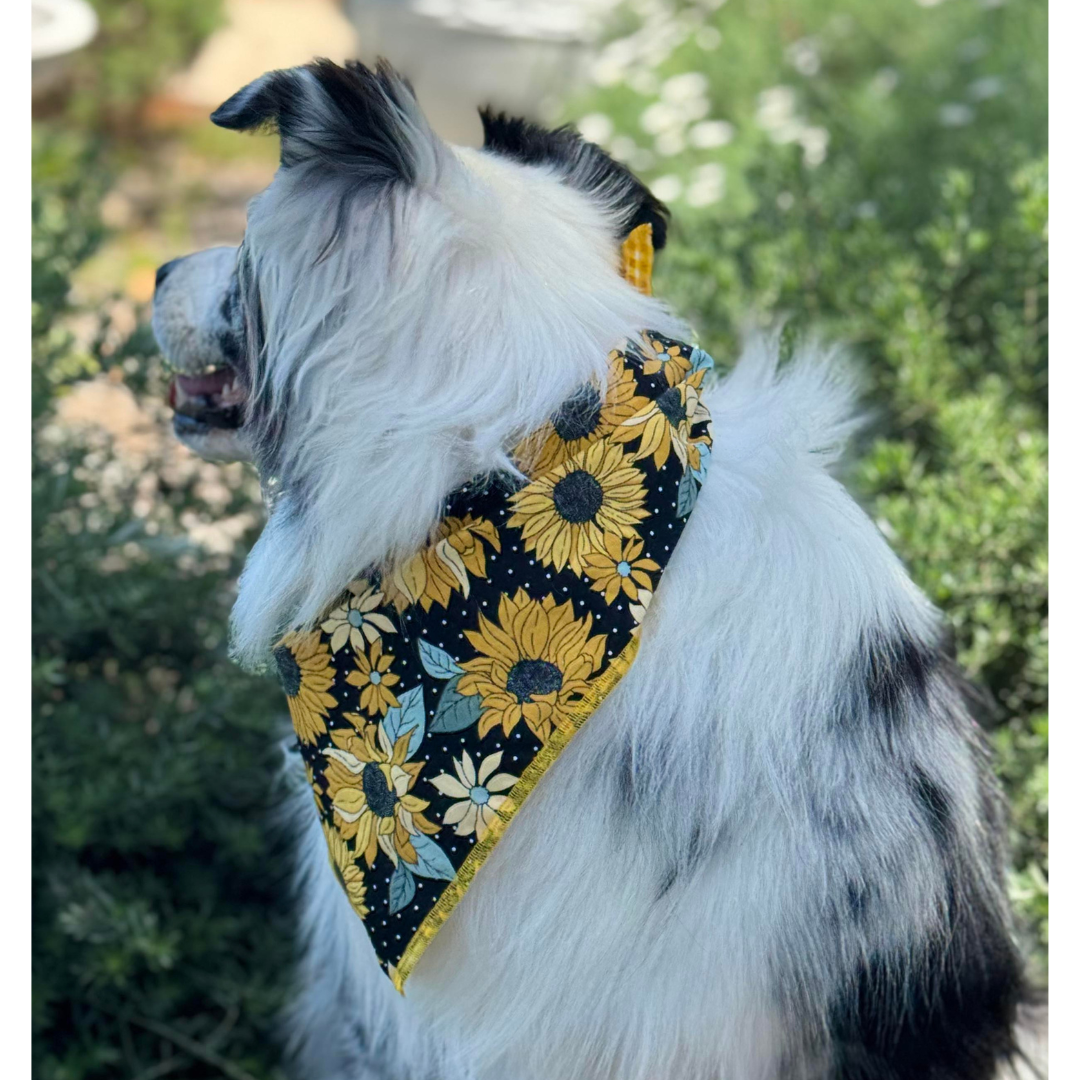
[369,783]
[619,568]
[531,664]
[666,424]
[434,574]
[583,420]
[374,679]
[352,877]
[564,515]
[356,619]
[672,359]
[306,672]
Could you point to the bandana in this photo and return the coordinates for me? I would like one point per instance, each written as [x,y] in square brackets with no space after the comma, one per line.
[429,702]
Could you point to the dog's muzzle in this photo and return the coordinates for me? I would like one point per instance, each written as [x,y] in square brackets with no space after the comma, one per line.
[193,328]
[211,400]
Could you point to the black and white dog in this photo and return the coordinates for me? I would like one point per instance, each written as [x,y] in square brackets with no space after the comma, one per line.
[775,852]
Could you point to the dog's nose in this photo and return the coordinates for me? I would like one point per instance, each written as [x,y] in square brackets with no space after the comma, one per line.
[163,271]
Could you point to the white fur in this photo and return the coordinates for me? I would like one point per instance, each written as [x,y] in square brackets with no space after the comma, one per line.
[439,330]
[560,962]
[660,907]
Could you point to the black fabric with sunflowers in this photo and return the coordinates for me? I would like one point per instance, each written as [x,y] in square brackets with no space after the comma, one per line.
[428,704]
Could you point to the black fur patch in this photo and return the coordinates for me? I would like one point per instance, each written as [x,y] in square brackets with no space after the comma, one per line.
[890,679]
[896,675]
[946,1013]
[348,118]
[934,804]
[584,165]
[230,339]
[942,1008]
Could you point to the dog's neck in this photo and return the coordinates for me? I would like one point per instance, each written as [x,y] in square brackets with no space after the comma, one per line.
[448,426]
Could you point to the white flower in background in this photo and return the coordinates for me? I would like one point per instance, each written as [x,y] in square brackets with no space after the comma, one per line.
[660,117]
[987,87]
[929,3]
[973,49]
[706,184]
[614,61]
[955,114]
[596,127]
[684,88]
[670,143]
[667,188]
[643,82]
[708,38]
[804,56]
[711,133]
[785,201]
[478,790]
[885,82]
[866,210]
[623,148]
[630,59]
[776,114]
[642,160]
[815,145]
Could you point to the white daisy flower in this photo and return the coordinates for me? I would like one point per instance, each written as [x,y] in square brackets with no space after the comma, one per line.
[478,792]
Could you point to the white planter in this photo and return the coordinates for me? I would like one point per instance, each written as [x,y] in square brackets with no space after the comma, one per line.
[461,54]
[58,28]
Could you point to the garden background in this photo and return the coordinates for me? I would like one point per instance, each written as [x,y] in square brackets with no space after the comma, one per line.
[874,170]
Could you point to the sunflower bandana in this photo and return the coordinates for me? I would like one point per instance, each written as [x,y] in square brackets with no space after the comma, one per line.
[430,701]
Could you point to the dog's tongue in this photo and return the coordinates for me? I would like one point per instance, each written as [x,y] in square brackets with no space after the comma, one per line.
[205,385]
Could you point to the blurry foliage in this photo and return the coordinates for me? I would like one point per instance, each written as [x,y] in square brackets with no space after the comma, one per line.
[877,172]
[161,926]
[139,43]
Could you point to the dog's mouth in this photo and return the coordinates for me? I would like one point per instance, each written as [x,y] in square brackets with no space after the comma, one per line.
[211,400]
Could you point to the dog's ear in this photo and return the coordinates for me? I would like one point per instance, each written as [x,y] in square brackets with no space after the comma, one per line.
[584,165]
[352,119]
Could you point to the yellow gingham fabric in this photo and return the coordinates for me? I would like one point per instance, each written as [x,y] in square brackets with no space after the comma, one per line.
[637,258]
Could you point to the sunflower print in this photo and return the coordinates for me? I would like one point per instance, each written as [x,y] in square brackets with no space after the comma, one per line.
[374,680]
[563,516]
[619,568]
[349,874]
[432,697]
[583,419]
[639,610]
[369,782]
[662,354]
[444,568]
[357,619]
[306,672]
[531,664]
[667,423]
[478,790]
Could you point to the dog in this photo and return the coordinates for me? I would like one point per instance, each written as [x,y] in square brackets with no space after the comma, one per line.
[777,849]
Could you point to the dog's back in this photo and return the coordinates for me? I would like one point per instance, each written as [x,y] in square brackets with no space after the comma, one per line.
[775,851]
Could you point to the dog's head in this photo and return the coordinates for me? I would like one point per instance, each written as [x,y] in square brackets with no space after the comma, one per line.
[399,313]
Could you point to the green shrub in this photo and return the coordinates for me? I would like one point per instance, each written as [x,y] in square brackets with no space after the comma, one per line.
[160,917]
[879,175]
[139,43]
